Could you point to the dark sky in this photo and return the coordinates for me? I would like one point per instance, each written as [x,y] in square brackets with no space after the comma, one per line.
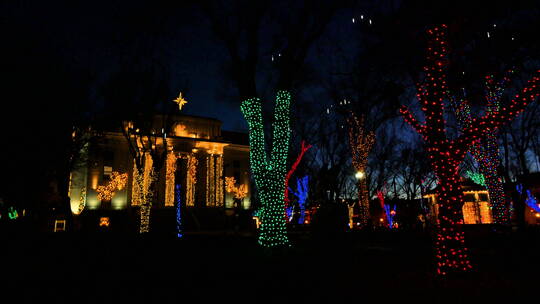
[56,56]
[88,41]
[91,39]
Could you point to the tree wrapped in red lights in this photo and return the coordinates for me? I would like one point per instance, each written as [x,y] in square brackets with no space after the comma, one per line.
[447,154]
[360,143]
[486,150]
[303,150]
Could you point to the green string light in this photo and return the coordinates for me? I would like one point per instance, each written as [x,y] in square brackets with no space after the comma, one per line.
[270,173]
[477,178]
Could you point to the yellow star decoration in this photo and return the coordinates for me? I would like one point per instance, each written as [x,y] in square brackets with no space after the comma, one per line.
[180,101]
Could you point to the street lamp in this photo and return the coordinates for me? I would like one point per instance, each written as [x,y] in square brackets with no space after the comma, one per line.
[359,174]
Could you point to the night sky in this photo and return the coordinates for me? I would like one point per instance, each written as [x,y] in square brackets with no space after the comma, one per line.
[59,57]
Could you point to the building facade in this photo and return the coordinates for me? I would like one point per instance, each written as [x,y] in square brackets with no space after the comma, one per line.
[194,160]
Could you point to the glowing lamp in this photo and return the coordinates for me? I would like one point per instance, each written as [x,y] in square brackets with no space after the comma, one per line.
[359,175]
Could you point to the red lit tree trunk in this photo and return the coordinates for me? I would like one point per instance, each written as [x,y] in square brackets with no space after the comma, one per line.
[447,154]
[451,253]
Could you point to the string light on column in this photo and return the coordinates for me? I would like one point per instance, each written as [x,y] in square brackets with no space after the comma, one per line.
[191,179]
[219,180]
[210,181]
[170,168]
[269,172]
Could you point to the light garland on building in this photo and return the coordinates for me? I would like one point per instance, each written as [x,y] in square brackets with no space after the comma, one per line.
[269,172]
[210,181]
[191,179]
[446,155]
[219,180]
[361,143]
[118,182]
[170,179]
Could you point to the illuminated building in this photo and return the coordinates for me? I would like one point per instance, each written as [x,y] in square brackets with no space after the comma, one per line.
[476,204]
[198,158]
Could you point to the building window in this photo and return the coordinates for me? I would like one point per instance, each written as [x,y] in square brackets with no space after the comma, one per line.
[59,225]
[107,171]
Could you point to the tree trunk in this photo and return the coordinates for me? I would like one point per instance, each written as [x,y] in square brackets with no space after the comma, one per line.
[451,253]
[497,197]
[273,231]
[363,203]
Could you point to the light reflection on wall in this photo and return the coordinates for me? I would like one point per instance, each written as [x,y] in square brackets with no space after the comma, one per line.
[246,203]
[119,200]
[91,200]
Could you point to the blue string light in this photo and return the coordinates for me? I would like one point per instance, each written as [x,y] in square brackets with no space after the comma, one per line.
[531,200]
[179,229]
[302,186]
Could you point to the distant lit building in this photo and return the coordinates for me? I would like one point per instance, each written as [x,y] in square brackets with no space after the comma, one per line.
[195,143]
[476,207]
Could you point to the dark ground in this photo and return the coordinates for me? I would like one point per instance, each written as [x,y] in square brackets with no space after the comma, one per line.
[378,267]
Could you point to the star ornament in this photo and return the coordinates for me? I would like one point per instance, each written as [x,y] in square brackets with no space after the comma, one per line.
[180,101]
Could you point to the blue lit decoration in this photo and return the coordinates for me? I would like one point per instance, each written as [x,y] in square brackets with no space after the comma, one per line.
[289,211]
[390,214]
[178,213]
[531,200]
[302,186]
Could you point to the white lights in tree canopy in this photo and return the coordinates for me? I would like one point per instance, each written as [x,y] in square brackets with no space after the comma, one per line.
[269,172]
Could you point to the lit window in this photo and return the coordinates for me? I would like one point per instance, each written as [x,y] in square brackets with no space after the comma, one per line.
[107,171]
[59,225]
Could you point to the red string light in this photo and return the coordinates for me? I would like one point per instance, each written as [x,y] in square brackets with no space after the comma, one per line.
[446,155]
